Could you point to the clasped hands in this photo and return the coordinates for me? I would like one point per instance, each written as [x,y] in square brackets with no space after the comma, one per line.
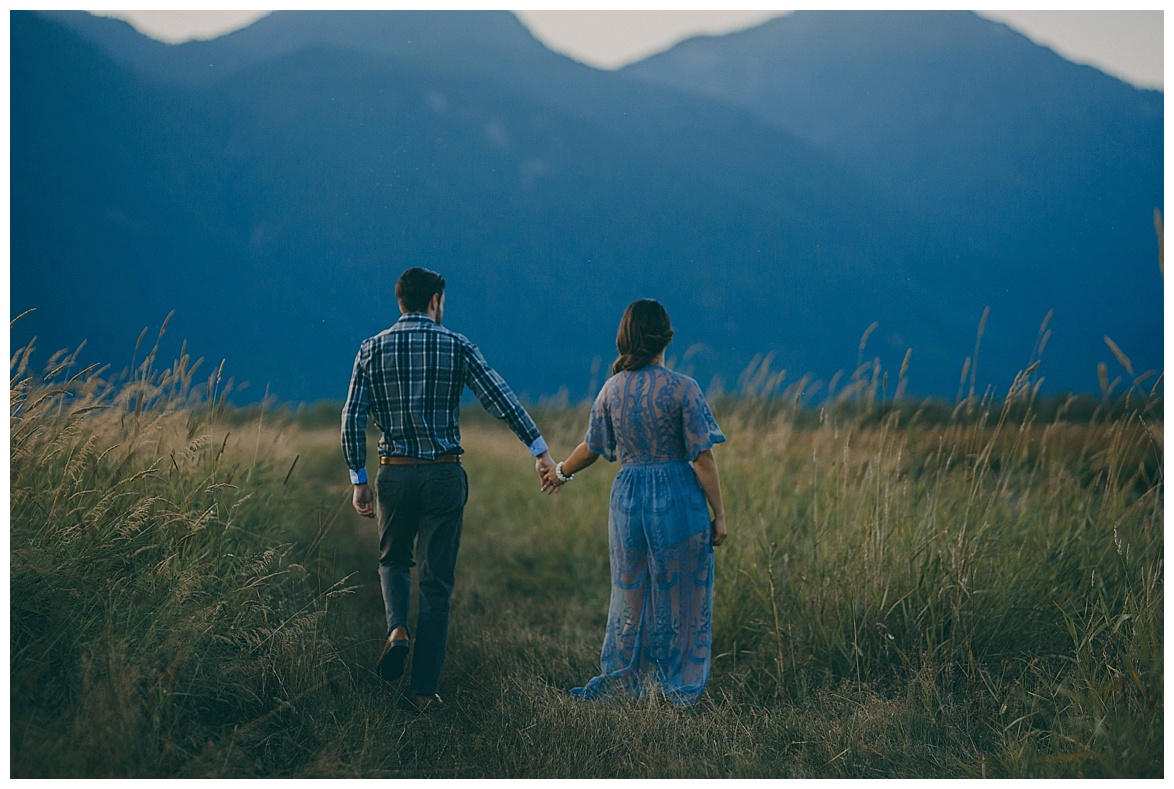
[544,465]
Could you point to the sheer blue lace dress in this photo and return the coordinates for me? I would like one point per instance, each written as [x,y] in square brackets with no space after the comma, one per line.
[658,623]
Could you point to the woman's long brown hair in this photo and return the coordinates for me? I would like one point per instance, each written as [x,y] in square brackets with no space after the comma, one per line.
[645,331]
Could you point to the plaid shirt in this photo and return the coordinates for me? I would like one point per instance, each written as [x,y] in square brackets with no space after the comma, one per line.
[410,378]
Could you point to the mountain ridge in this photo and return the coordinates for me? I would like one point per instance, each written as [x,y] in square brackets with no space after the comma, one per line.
[1035,163]
[279,33]
[321,174]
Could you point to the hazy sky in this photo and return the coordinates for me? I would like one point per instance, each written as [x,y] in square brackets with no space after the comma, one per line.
[1127,44]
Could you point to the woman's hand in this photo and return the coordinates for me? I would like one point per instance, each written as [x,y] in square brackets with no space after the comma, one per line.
[550,480]
[717,530]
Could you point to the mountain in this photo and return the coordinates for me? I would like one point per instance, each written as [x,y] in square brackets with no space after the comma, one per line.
[1048,169]
[280,33]
[272,195]
[105,203]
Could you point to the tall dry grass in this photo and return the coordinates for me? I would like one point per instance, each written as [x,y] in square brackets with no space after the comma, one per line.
[909,590]
[995,580]
[161,598]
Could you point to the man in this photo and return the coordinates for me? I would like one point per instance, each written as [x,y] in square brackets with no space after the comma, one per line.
[410,378]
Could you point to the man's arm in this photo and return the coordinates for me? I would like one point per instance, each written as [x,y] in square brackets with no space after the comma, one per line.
[354,438]
[498,399]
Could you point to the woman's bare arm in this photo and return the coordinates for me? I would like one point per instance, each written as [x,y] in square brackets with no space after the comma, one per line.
[580,459]
[706,468]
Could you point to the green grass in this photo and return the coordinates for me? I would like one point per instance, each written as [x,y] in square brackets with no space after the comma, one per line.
[907,591]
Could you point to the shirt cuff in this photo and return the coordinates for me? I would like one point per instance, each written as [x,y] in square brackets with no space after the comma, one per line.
[538,447]
[359,477]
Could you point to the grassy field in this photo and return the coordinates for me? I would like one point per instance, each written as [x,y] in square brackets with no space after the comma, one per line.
[906,592]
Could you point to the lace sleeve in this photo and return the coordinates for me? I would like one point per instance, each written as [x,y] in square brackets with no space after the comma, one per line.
[698,427]
[601,434]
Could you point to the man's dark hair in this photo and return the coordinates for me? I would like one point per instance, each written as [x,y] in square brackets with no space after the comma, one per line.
[416,287]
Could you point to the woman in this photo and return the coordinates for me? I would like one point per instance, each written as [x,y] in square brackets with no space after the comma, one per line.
[660,533]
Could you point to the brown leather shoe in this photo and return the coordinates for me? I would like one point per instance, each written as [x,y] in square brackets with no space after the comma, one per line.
[390,665]
[428,703]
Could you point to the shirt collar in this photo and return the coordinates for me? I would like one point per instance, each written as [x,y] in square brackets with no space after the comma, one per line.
[414,317]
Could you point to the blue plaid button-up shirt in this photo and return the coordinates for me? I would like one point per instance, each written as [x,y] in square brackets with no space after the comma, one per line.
[410,378]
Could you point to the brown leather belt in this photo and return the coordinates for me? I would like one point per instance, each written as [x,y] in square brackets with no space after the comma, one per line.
[385,460]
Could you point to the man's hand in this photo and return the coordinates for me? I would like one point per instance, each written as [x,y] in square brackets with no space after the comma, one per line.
[363,501]
[544,465]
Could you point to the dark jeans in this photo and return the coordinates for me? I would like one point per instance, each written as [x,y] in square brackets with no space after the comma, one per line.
[419,510]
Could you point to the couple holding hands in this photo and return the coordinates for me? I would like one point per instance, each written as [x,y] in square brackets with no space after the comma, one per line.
[409,379]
